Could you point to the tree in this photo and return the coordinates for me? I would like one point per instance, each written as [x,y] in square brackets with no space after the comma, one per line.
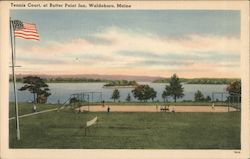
[38,87]
[234,88]
[128,99]
[144,92]
[115,95]
[175,88]
[208,99]
[165,95]
[138,92]
[152,93]
[198,96]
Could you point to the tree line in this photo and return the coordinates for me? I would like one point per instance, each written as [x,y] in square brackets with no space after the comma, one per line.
[174,89]
[121,83]
[200,80]
[79,80]
[65,80]
[133,83]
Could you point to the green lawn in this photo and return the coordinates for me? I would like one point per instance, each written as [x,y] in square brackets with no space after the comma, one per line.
[127,130]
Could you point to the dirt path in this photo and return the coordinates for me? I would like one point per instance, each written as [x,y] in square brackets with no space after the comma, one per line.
[30,114]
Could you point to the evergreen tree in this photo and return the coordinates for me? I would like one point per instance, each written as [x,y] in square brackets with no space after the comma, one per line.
[208,98]
[128,99]
[198,96]
[175,88]
[115,95]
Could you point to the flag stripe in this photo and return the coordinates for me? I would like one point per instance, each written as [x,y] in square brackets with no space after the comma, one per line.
[26,25]
[27,37]
[20,36]
[27,34]
[30,28]
[28,31]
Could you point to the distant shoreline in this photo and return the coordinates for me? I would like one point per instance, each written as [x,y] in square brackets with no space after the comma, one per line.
[125,83]
[216,81]
[129,86]
[112,87]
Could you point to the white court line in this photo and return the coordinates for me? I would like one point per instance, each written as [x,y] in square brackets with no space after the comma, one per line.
[25,115]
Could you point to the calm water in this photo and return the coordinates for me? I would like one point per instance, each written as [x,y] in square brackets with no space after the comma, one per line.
[62,91]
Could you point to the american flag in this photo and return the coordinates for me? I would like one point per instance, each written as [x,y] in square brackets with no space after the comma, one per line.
[25,30]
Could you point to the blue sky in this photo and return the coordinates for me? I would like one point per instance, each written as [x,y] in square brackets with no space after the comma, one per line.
[162,42]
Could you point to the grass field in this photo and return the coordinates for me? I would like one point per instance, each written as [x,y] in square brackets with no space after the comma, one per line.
[26,108]
[126,130]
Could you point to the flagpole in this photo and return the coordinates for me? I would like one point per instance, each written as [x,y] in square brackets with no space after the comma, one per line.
[14,79]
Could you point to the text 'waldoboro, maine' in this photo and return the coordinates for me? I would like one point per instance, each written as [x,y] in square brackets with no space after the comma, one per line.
[69,5]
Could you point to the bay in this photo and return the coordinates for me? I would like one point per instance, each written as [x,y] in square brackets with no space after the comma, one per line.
[60,92]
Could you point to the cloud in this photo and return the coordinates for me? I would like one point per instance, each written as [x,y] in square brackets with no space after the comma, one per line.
[98,40]
[44,61]
[147,42]
[137,54]
[121,49]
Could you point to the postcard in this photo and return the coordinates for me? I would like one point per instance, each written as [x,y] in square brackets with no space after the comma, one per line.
[124,79]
